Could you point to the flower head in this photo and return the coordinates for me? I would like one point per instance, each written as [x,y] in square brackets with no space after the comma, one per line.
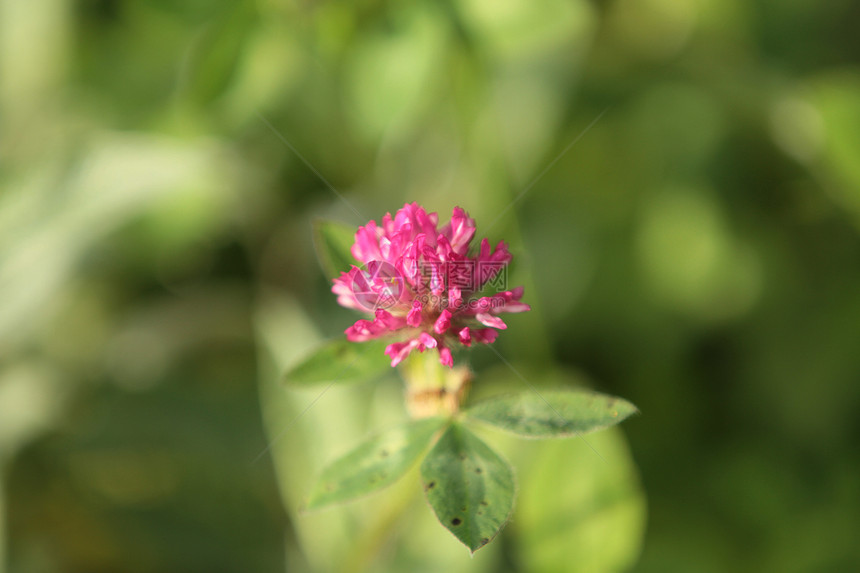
[421,285]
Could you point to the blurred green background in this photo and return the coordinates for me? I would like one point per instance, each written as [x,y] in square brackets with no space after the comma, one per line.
[695,251]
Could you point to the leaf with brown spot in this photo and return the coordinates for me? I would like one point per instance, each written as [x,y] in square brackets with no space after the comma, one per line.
[552,413]
[473,506]
[364,470]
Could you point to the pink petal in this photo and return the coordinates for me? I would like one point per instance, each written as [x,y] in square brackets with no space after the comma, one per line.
[398,351]
[364,330]
[342,287]
[490,264]
[459,231]
[455,298]
[490,320]
[385,248]
[388,320]
[414,316]
[414,218]
[445,357]
[443,248]
[465,336]
[509,301]
[437,282]
[513,307]
[387,224]
[485,335]
[443,322]
[484,253]
[483,304]
[409,264]
[426,341]
[366,246]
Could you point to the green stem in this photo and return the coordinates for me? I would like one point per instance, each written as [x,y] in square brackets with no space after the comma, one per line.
[373,537]
[2,519]
[433,389]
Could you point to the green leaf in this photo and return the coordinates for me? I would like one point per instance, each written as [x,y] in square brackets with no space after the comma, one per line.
[469,486]
[552,414]
[378,462]
[341,361]
[333,241]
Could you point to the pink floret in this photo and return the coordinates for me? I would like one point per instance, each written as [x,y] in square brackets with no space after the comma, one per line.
[419,282]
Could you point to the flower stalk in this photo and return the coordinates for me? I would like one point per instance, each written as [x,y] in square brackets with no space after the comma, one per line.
[431,389]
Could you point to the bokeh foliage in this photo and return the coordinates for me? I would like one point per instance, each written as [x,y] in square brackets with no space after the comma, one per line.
[695,251]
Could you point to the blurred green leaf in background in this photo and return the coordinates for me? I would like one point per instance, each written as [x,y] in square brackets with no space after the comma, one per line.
[695,250]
